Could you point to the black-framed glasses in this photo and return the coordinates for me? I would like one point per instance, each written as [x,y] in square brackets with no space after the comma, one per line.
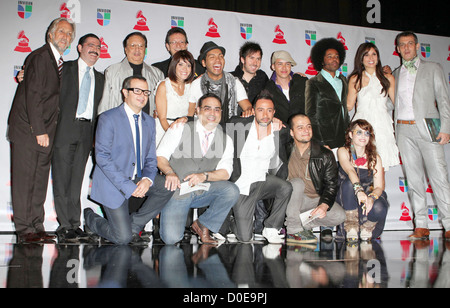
[138,91]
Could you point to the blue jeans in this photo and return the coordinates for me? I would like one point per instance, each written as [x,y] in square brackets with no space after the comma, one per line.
[220,198]
[120,226]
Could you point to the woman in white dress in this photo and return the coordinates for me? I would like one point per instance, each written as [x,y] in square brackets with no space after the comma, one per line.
[172,94]
[369,89]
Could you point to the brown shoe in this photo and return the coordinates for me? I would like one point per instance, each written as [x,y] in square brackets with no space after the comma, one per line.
[420,234]
[29,238]
[202,232]
[447,235]
[46,236]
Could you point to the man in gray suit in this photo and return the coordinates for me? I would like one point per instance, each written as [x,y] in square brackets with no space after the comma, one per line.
[422,92]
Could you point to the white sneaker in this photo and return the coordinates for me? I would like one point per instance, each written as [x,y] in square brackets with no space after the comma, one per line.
[272,236]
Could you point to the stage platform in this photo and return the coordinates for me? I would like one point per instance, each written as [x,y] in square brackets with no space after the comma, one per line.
[390,262]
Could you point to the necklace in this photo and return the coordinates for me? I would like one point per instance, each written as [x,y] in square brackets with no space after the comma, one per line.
[361,161]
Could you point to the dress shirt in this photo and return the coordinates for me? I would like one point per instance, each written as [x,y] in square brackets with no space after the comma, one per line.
[335,81]
[255,159]
[172,139]
[82,66]
[56,53]
[130,114]
[405,93]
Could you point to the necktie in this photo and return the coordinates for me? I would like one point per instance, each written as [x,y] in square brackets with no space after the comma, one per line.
[60,66]
[410,66]
[84,92]
[138,146]
[205,143]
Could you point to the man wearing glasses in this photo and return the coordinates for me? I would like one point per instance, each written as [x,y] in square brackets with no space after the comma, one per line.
[135,45]
[176,40]
[126,167]
[197,160]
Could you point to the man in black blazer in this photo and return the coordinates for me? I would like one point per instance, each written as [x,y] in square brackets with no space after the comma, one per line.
[74,135]
[32,126]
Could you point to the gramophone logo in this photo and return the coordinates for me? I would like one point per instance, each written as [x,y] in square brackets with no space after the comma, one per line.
[279,36]
[310,70]
[24,9]
[310,37]
[212,29]
[23,45]
[177,22]
[395,53]
[448,59]
[425,50]
[103,17]
[104,54]
[71,10]
[341,38]
[246,31]
[141,24]
[405,213]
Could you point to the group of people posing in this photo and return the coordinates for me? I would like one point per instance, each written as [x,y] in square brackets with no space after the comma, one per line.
[253,154]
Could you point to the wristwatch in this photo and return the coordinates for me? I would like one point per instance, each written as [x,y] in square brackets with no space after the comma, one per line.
[206,174]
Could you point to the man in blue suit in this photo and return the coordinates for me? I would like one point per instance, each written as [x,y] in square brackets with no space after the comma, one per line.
[126,168]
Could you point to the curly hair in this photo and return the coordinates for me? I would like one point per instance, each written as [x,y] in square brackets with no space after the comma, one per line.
[371,149]
[319,49]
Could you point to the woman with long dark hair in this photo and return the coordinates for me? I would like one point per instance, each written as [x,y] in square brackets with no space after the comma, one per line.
[361,177]
[369,89]
[172,94]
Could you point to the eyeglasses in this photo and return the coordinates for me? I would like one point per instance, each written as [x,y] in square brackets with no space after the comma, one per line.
[208,109]
[138,91]
[139,46]
[360,132]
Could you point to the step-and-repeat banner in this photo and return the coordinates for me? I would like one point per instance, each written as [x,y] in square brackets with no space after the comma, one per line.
[23,25]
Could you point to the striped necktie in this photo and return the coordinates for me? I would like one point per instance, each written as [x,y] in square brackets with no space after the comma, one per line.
[60,66]
[205,143]
[138,147]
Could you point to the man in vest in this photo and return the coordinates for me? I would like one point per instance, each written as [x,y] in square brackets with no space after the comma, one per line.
[197,160]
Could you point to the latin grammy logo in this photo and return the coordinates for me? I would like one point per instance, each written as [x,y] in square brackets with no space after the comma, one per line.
[405,213]
[104,50]
[212,30]
[342,40]
[279,36]
[310,70]
[22,46]
[141,24]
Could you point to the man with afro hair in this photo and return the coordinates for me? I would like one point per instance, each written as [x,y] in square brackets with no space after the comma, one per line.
[326,99]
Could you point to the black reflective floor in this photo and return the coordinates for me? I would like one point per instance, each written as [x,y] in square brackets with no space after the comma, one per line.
[391,262]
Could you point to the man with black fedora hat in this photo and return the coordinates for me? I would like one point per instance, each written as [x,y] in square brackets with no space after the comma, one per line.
[224,85]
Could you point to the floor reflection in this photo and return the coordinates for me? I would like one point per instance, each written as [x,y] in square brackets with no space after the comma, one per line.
[391,262]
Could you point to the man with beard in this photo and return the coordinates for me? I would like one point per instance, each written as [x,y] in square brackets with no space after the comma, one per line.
[81,91]
[260,166]
[32,127]
[313,173]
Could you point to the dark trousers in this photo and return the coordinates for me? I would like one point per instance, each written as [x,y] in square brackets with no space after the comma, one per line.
[120,226]
[68,167]
[244,210]
[29,181]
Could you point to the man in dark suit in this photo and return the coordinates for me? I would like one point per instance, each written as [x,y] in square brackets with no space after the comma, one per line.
[125,154]
[81,91]
[32,127]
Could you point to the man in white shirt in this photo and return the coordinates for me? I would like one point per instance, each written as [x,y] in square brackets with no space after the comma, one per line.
[260,169]
[81,91]
[197,160]
[422,92]
[126,167]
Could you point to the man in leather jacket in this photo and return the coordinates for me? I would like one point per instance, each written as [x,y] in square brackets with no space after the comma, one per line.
[313,173]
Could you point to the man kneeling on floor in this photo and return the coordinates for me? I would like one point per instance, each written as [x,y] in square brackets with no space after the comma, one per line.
[313,174]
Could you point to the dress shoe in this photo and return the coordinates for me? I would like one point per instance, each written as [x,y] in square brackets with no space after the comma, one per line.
[46,236]
[447,235]
[420,234]
[202,232]
[138,241]
[29,238]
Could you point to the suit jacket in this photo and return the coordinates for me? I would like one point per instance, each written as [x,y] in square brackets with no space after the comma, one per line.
[324,109]
[66,131]
[238,129]
[115,156]
[114,77]
[430,97]
[35,109]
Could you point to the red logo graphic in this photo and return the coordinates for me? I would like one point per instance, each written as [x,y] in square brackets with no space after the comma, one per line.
[342,40]
[405,213]
[22,46]
[395,53]
[141,24]
[64,10]
[212,30]
[448,59]
[310,70]
[279,36]
[104,50]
